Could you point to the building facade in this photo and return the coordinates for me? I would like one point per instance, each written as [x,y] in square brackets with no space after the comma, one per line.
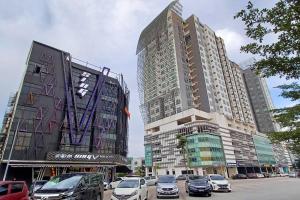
[65,115]
[261,103]
[188,86]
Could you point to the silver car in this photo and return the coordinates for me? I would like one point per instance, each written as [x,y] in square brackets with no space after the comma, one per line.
[166,187]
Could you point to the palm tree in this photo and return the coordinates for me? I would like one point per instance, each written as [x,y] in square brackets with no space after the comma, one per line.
[182,141]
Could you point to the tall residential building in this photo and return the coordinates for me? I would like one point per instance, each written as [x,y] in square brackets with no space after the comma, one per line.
[239,101]
[208,81]
[187,85]
[261,103]
[163,74]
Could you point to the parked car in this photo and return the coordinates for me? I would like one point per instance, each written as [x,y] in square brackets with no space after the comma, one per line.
[273,175]
[292,175]
[198,185]
[166,187]
[239,176]
[35,186]
[259,175]
[13,190]
[219,183]
[280,174]
[72,186]
[151,180]
[131,189]
[181,177]
[252,175]
[115,183]
[194,177]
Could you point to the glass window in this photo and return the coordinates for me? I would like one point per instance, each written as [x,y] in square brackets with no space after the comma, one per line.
[3,189]
[16,187]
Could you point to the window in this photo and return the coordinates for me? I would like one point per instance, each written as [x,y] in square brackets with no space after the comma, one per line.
[3,189]
[16,187]
[37,69]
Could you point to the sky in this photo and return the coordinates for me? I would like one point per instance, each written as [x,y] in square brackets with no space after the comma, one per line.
[105,33]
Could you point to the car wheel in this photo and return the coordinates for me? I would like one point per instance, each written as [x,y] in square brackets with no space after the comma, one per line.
[157,197]
[209,194]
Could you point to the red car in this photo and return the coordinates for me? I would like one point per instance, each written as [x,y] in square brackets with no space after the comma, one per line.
[13,190]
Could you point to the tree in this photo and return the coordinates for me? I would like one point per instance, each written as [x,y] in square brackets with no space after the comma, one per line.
[281,58]
[140,171]
[182,142]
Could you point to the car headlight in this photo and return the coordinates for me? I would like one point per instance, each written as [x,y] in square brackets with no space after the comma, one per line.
[175,188]
[213,182]
[134,193]
[114,194]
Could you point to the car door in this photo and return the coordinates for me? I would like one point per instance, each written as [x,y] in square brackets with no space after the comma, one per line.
[4,189]
[143,188]
[16,191]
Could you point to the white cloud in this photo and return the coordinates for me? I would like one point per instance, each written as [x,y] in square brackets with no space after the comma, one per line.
[233,41]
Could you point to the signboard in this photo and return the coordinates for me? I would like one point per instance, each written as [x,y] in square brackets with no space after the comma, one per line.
[148,156]
[86,157]
[231,164]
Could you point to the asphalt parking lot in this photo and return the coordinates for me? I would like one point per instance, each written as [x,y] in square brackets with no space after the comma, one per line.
[279,188]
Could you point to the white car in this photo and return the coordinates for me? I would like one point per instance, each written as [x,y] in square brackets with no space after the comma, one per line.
[131,189]
[115,183]
[260,175]
[219,183]
[150,180]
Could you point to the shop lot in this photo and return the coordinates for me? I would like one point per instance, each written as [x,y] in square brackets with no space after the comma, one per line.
[279,188]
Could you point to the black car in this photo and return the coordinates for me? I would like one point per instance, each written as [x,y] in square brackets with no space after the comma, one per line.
[36,185]
[79,186]
[198,185]
[181,177]
[239,176]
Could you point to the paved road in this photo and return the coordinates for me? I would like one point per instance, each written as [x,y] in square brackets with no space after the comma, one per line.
[280,188]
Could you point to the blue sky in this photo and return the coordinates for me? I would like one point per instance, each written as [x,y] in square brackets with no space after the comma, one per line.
[105,33]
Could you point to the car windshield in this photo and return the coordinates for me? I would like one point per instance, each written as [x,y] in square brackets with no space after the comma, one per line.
[166,179]
[196,177]
[40,183]
[62,182]
[129,184]
[217,177]
[198,182]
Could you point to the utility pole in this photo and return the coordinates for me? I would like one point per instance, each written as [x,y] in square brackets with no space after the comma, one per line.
[11,150]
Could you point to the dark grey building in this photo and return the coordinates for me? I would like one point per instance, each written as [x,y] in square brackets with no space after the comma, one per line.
[66,115]
[261,103]
[260,100]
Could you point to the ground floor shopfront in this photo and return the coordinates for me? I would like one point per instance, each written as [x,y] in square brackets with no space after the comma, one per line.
[62,162]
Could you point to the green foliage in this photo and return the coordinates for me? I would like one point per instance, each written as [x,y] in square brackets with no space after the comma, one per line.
[182,142]
[140,171]
[281,58]
[121,174]
[281,22]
